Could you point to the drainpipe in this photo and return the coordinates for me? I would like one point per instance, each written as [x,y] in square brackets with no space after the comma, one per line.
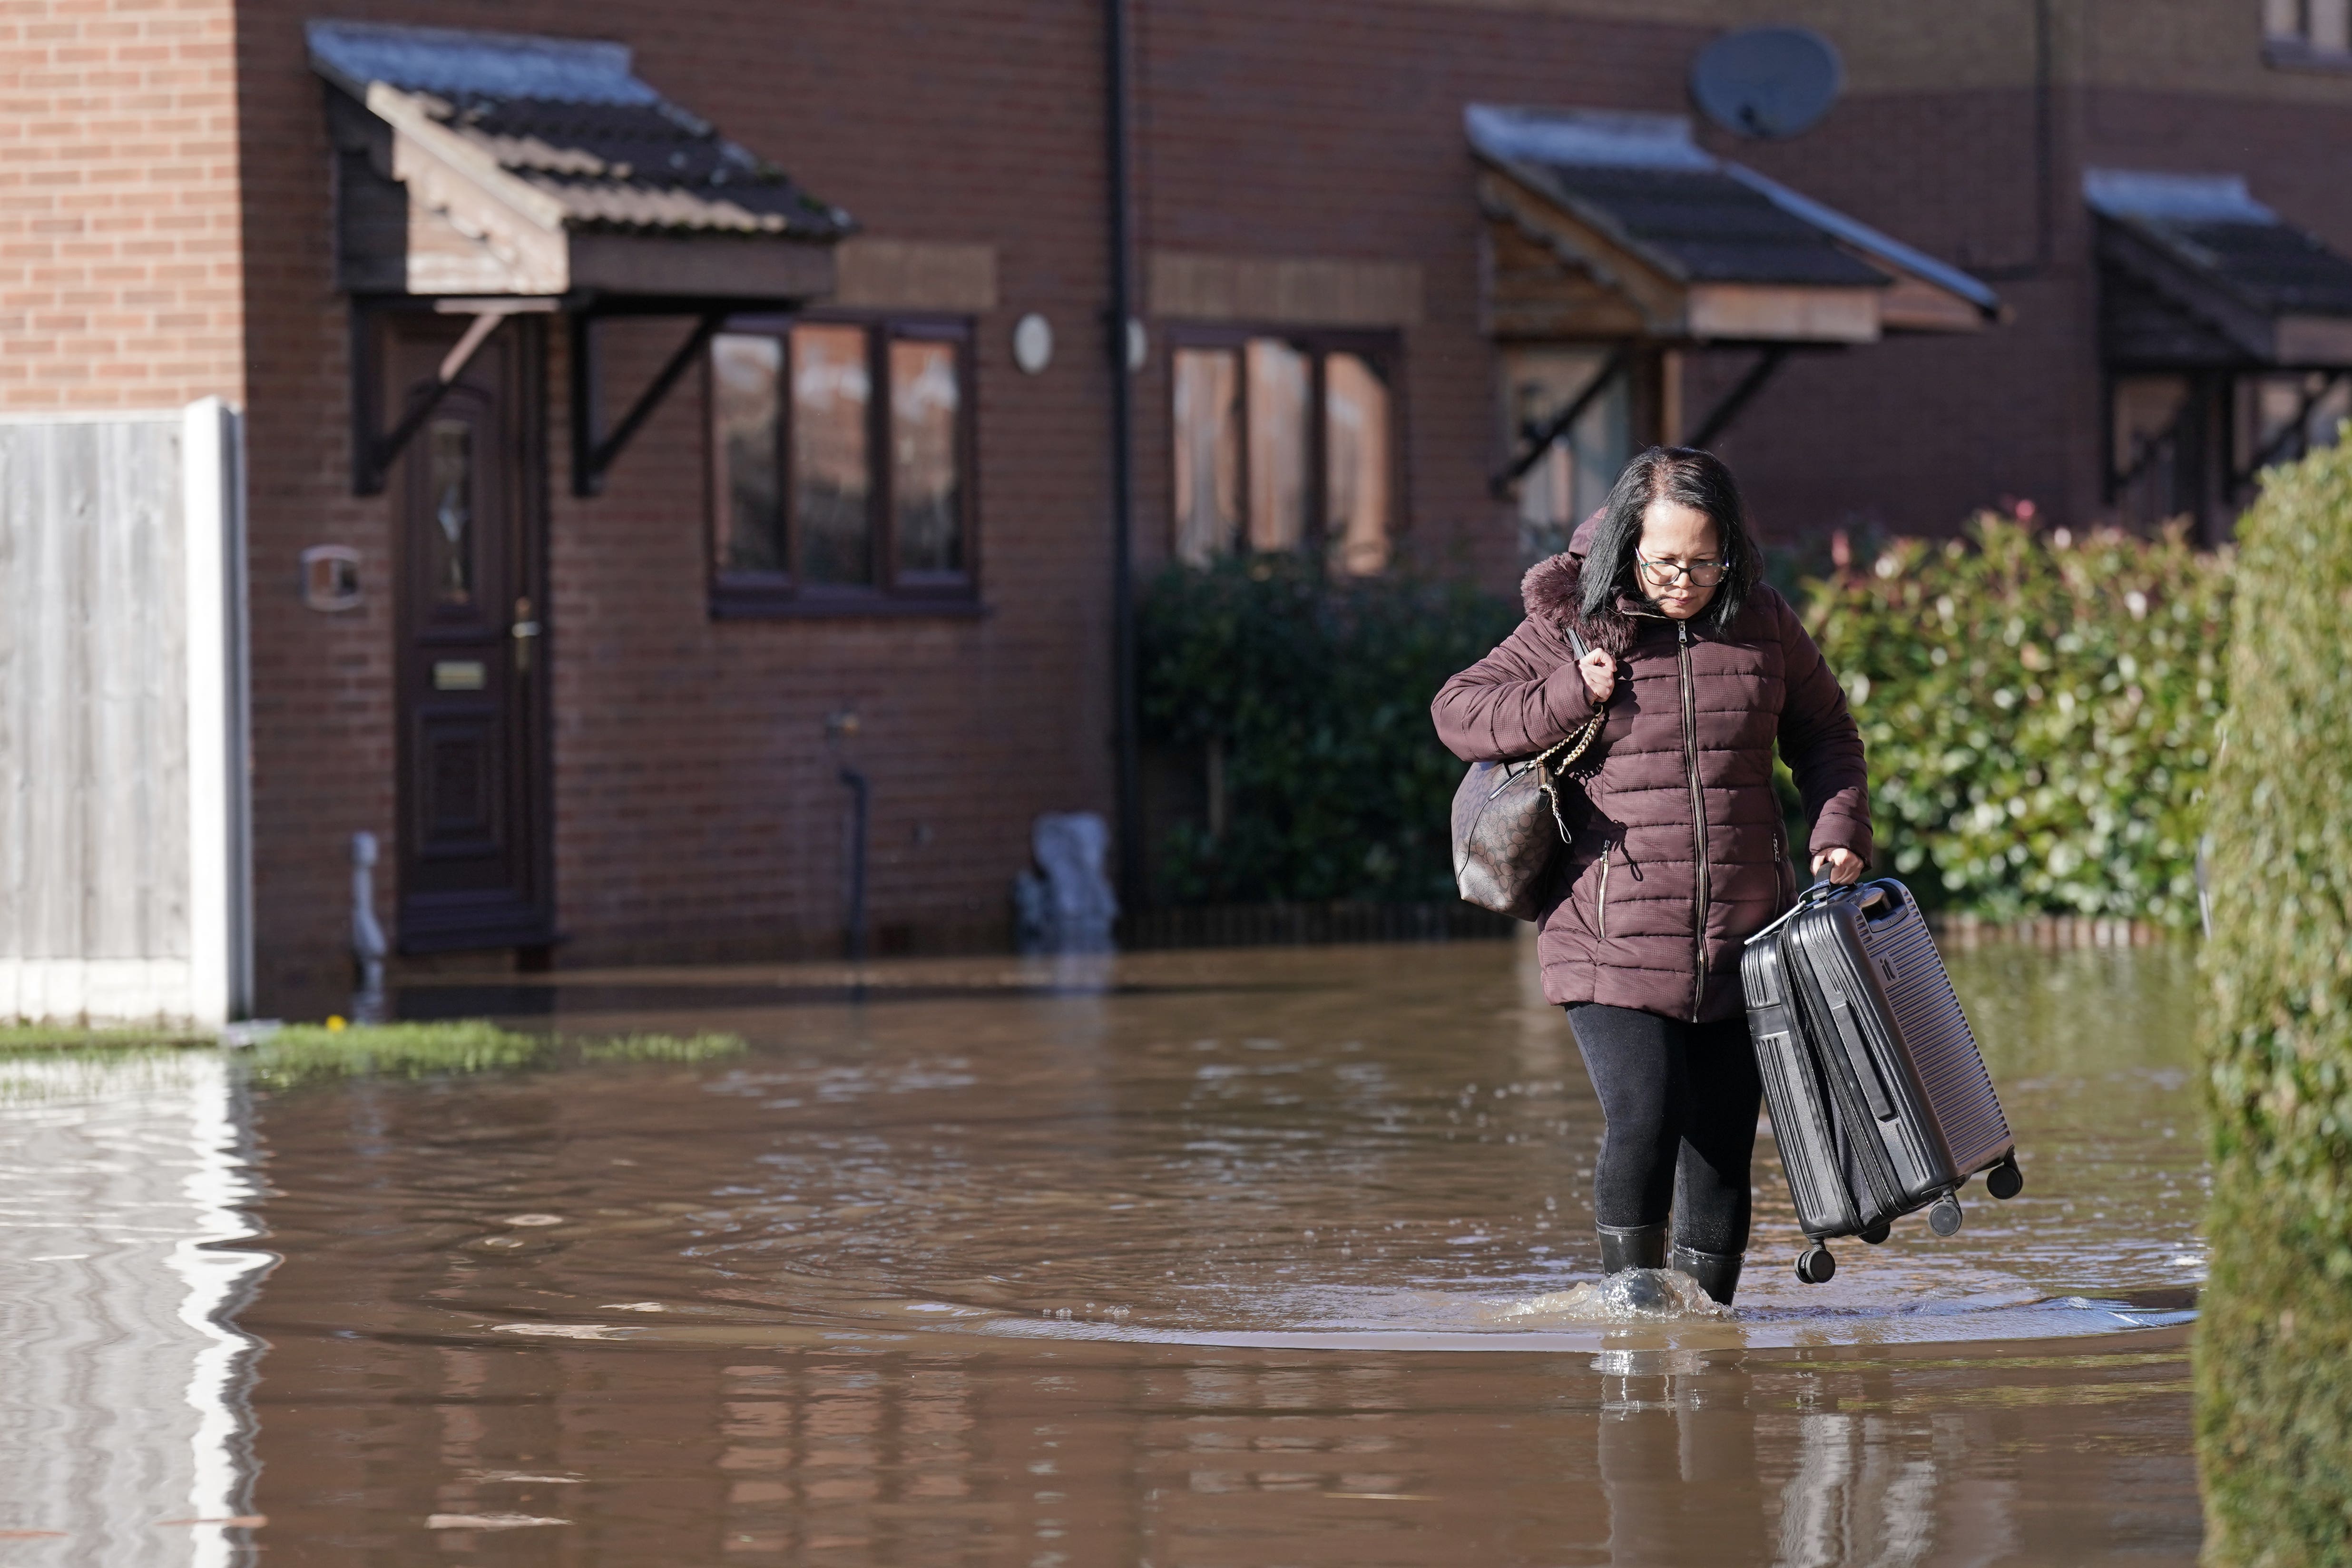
[368,946]
[2046,142]
[2045,159]
[840,726]
[1125,768]
[861,817]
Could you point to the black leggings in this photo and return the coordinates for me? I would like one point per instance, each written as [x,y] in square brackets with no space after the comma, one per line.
[1680,1101]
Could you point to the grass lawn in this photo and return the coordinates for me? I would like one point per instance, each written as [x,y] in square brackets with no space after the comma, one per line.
[303,1053]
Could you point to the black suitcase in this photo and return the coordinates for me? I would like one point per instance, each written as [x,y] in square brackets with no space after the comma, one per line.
[1879,1098]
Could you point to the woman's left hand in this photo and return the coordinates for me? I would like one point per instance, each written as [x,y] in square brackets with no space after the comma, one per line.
[1845,866]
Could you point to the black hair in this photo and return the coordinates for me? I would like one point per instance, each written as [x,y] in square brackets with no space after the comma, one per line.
[1696,479]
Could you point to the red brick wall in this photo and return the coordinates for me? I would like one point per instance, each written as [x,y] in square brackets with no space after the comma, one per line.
[118,204]
[1337,131]
[1913,433]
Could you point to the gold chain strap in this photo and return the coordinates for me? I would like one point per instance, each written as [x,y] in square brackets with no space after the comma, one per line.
[1548,774]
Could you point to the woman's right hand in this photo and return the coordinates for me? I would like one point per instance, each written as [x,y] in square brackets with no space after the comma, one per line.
[1600,672]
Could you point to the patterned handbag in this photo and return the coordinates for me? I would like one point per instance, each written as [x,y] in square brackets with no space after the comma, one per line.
[1508,826]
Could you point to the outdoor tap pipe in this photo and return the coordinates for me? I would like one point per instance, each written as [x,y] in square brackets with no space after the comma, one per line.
[861,798]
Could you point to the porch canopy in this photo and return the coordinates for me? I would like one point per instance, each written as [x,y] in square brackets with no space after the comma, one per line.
[2225,334]
[1604,225]
[489,163]
[1616,241]
[2194,271]
[494,174]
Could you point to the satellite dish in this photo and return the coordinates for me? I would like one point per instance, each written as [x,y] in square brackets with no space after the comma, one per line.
[1767,82]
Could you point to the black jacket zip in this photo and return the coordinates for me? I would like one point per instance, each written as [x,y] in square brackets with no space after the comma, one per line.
[1698,822]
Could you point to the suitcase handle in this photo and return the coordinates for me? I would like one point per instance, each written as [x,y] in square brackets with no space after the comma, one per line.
[1822,888]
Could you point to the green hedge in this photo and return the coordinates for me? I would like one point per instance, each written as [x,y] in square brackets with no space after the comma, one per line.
[2274,1343]
[2040,712]
[1317,690]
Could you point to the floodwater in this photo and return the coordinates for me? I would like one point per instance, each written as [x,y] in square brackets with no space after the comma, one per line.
[1216,1259]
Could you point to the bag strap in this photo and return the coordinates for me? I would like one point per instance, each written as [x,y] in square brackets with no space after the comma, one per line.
[1548,769]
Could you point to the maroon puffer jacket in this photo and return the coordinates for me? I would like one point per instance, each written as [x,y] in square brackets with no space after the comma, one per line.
[1676,857]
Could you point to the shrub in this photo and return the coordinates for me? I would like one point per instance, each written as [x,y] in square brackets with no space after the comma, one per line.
[1316,691]
[2040,713]
[2274,1343]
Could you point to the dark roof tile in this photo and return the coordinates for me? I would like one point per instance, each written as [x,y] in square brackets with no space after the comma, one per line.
[568,118]
[1710,227]
[2274,267]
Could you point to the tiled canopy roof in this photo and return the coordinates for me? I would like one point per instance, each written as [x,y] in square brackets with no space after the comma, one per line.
[2212,225]
[568,119]
[1644,178]
[1709,226]
[1699,217]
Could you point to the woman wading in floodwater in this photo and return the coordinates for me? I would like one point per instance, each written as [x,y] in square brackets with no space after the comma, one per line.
[1677,855]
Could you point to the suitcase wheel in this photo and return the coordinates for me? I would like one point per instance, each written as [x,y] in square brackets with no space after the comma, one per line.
[2005,1181]
[1875,1234]
[1943,1219]
[1815,1266]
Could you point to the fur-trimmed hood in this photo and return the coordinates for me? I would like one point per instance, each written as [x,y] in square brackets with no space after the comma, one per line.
[1553,591]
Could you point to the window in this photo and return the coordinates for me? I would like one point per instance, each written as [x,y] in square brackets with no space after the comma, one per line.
[841,458]
[1572,478]
[1285,442]
[449,456]
[2307,32]
[2287,416]
[2154,447]
[2191,445]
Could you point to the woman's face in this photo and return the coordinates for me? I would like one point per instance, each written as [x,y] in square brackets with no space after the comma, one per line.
[1676,536]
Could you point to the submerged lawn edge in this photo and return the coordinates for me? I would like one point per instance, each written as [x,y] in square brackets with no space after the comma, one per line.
[302,1053]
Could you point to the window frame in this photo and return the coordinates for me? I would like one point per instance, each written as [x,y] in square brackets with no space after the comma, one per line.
[2296,49]
[785,595]
[1381,348]
[1513,362]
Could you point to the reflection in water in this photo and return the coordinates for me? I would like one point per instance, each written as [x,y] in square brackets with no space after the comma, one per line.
[127,1434]
[1855,1498]
[1219,1258]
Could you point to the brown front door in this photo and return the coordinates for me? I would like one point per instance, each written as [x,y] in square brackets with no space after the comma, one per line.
[469,510]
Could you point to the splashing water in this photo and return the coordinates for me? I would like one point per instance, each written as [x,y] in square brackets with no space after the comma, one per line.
[1635,1296]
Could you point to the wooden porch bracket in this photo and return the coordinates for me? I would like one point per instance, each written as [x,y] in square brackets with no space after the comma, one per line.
[593,451]
[373,449]
[1719,417]
[1562,423]
[2276,448]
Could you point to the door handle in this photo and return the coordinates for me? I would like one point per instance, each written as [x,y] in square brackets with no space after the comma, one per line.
[525,631]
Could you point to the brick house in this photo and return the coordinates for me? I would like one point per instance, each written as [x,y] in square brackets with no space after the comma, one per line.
[649,415]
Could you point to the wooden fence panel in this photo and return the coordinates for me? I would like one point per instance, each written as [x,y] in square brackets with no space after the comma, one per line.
[104,829]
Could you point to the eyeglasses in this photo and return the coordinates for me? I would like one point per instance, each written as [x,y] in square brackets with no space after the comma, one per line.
[1666,573]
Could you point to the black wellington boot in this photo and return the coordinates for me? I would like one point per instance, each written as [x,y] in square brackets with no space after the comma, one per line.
[1625,1246]
[1717,1273]
[1626,1249]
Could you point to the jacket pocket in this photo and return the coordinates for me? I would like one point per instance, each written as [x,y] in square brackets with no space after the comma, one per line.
[1784,876]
